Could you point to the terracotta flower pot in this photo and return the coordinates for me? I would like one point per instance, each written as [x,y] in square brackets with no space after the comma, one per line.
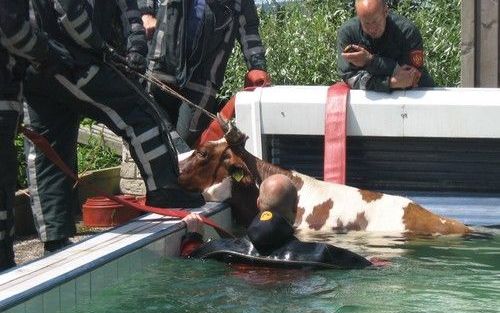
[103,212]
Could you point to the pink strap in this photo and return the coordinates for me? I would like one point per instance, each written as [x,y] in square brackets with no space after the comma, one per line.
[335,133]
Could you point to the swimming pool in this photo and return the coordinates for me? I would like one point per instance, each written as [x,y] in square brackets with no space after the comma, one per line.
[444,274]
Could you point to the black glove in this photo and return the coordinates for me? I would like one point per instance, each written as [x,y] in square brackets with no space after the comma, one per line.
[136,62]
[57,61]
[109,54]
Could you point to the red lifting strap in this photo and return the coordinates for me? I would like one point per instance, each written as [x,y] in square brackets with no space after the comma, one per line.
[214,131]
[335,133]
[41,143]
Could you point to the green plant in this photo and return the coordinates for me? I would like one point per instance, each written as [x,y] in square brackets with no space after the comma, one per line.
[22,181]
[95,154]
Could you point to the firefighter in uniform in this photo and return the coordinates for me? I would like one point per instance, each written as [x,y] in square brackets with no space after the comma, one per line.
[19,43]
[191,46]
[379,50]
[93,88]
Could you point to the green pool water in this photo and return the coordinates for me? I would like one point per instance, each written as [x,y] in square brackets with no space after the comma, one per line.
[425,275]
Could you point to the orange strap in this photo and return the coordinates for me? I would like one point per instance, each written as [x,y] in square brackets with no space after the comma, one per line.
[335,134]
[41,143]
[214,131]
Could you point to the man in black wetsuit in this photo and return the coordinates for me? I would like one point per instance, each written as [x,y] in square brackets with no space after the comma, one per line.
[270,239]
[379,50]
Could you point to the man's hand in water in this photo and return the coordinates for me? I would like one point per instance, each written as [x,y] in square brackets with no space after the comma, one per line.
[378,262]
[194,223]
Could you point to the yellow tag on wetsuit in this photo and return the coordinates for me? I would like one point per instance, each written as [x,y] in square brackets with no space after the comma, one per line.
[266,216]
[238,175]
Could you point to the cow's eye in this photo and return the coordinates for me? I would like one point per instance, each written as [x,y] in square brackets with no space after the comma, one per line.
[202,154]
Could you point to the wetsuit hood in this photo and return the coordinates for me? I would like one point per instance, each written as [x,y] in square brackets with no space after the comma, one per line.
[269,231]
[270,242]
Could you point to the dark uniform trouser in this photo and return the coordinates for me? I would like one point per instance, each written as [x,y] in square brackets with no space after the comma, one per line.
[54,107]
[9,115]
[190,122]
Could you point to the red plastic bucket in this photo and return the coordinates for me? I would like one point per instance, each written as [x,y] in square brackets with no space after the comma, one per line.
[103,212]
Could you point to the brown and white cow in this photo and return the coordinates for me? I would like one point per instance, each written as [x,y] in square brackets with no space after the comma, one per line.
[230,174]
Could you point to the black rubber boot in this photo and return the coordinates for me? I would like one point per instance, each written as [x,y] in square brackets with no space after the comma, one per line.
[174,198]
[6,258]
[55,245]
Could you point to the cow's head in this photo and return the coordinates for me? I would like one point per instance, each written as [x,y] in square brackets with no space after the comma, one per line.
[213,164]
[220,174]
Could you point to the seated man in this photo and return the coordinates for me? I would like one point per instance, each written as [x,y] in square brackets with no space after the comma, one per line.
[379,50]
[270,239]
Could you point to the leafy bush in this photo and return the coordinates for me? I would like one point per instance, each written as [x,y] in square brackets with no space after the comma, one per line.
[300,37]
[96,156]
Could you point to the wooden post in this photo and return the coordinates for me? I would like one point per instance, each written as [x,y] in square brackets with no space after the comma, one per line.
[480,44]
[488,43]
[468,41]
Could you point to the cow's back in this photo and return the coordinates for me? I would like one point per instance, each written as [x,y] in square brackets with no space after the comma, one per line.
[327,207]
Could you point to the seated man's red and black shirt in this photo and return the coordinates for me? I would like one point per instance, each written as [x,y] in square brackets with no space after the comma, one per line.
[401,44]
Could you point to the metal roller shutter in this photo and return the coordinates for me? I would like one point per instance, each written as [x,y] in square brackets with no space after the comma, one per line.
[391,163]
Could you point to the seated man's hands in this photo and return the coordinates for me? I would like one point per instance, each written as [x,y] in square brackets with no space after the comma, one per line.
[149,22]
[357,55]
[405,76]
[194,223]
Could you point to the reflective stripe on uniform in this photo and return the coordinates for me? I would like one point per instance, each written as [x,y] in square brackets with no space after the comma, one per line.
[158,42]
[133,14]
[253,37]
[204,89]
[203,103]
[156,153]
[256,50]
[78,37]
[120,123]
[220,55]
[92,71]
[80,20]
[36,205]
[125,19]
[3,215]
[10,105]
[150,134]
[29,45]
[71,25]
[21,34]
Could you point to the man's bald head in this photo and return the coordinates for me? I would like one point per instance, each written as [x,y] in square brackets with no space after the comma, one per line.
[278,194]
[369,5]
[372,15]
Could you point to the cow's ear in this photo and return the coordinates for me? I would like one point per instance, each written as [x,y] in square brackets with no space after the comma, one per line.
[241,175]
